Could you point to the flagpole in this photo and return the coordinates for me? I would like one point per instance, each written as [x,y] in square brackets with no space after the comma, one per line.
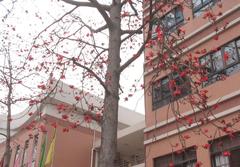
[55,133]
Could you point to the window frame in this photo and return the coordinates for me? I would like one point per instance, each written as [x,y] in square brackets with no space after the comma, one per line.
[176,23]
[161,20]
[202,6]
[226,147]
[162,101]
[185,160]
[215,74]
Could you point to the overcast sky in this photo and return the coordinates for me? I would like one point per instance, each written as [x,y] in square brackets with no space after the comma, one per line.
[25,18]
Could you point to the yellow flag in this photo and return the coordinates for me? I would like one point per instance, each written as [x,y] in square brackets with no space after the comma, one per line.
[50,153]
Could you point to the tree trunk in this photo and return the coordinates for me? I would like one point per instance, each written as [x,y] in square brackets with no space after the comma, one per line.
[108,148]
[7,154]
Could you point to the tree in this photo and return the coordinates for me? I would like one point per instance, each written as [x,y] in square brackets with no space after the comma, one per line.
[94,51]
[7,8]
[16,82]
[99,63]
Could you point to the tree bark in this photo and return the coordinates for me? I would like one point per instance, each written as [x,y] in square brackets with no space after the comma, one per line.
[108,149]
[7,154]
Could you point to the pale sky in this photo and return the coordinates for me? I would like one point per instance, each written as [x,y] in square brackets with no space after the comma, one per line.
[25,17]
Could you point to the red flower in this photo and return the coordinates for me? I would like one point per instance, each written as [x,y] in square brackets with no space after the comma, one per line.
[54,124]
[225,56]
[61,107]
[30,113]
[198,164]
[189,121]
[43,128]
[30,136]
[183,74]
[215,37]
[30,58]
[177,92]
[171,164]
[186,137]
[88,118]
[206,146]
[64,116]
[226,153]
[65,130]
[77,98]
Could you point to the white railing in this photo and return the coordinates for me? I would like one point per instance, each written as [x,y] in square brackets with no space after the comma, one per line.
[133,162]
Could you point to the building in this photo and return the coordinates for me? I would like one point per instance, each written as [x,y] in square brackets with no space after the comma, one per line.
[77,137]
[211,34]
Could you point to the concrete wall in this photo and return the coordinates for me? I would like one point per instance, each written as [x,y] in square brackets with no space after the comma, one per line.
[72,148]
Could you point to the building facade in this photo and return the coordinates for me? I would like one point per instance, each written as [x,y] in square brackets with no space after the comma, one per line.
[211,34]
[77,138]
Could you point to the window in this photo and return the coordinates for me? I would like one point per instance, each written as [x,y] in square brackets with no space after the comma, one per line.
[221,161]
[224,61]
[200,5]
[221,146]
[34,151]
[169,22]
[186,158]
[163,92]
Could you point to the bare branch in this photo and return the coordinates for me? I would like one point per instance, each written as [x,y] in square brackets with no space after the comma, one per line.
[93,73]
[132,59]
[133,8]
[141,49]
[3,134]
[100,28]
[138,31]
[102,12]
[86,4]
[65,14]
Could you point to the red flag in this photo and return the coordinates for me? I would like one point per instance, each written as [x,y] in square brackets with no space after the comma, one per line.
[2,162]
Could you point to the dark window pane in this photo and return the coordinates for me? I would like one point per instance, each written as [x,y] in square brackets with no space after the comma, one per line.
[232,69]
[201,5]
[169,20]
[156,91]
[206,1]
[238,47]
[154,28]
[231,52]
[179,15]
[165,91]
[183,159]
[197,4]
[172,19]
[206,62]
[162,93]
[235,158]
[221,160]
[217,61]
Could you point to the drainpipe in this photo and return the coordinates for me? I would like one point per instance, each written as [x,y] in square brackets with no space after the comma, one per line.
[93,148]
[92,157]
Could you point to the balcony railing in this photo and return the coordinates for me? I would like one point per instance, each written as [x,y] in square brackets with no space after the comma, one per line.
[134,160]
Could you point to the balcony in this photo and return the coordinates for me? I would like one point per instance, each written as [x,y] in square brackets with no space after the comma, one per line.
[133,161]
[130,147]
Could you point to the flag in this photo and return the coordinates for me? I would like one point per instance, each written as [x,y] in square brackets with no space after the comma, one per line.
[50,153]
[2,162]
[17,161]
[43,154]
